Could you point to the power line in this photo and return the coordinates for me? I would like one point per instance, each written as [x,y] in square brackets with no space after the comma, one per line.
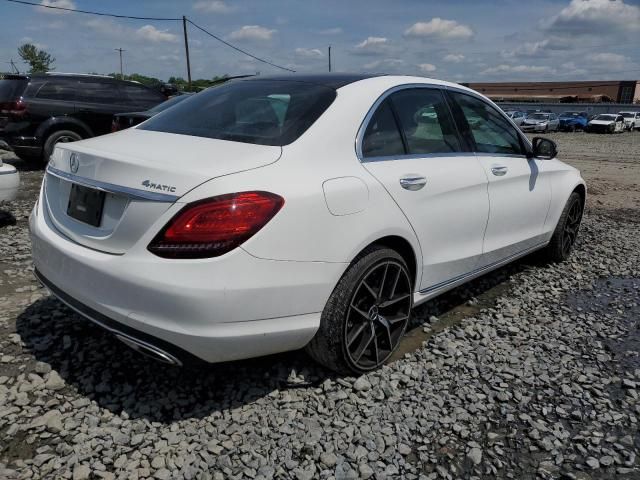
[24,2]
[239,49]
[113,15]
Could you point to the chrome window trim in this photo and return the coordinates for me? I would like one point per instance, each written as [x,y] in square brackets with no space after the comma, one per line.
[133,193]
[372,110]
[365,123]
[414,156]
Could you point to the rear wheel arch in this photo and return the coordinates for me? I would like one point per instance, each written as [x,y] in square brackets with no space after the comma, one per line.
[403,247]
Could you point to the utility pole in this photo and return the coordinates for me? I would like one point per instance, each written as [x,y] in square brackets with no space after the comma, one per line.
[186,48]
[329,57]
[13,66]
[120,50]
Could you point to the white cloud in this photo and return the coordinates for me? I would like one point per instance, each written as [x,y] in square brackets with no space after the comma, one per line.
[213,6]
[372,46]
[524,69]
[252,32]
[591,16]
[56,3]
[453,58]
[427,67]
[608,60]
[331,31]
[152,34]
[388,64]
[311,53]
[529,50]
[441,29]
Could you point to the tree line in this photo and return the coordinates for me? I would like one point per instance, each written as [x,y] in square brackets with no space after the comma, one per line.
[40,61]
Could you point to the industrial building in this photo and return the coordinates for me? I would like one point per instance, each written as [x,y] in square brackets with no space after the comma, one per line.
[597,91]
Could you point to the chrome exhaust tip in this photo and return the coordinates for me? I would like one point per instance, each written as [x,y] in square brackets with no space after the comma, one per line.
[149,350]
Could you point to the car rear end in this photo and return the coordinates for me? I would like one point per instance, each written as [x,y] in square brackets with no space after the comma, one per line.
[12,105]
[143,232]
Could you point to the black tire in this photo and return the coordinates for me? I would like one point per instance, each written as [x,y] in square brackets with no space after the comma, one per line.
[347,330]
[566,231]
[55,137]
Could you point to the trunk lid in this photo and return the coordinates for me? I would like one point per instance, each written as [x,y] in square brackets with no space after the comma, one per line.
[142,174]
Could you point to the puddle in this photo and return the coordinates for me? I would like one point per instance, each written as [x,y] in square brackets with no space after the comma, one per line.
[619,300]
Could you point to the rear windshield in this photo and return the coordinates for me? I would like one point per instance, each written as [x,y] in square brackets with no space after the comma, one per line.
[264,112]
[628,114]
[168,103]
[11,89]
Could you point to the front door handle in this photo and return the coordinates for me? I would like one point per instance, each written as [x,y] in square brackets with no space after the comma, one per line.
[499,170]
[413,182]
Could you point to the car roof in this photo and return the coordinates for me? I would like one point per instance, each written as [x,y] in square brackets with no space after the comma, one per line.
[332,80]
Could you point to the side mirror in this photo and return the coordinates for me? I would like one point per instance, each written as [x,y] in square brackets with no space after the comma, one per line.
[544,148]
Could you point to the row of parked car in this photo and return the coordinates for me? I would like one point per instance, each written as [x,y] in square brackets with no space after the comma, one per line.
[570,121]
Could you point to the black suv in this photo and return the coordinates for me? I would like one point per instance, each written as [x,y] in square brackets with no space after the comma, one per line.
[38,111]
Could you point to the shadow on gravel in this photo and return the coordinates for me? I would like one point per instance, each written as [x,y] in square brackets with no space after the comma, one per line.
[100,368]
[6,218]
[23,166]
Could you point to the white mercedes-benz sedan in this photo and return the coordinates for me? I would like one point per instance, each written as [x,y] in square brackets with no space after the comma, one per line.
[274,213]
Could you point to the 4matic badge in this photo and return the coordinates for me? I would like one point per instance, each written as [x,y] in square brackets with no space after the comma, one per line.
[158,186]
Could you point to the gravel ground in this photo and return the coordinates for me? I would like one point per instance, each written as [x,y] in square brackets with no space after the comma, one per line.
[532,371]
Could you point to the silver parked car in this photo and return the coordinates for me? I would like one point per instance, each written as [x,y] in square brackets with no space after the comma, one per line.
[541,122]
[517,116]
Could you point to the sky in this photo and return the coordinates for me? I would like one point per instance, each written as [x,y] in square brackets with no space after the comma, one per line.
[456,40]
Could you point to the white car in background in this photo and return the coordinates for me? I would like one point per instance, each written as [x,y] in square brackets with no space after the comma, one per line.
[541,122]
[9,182]
[631,120]
[606,123]
[517,116]
[270,214]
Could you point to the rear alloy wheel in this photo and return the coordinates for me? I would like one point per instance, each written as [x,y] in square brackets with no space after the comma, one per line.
[566,233]
[366,315]
[61,136]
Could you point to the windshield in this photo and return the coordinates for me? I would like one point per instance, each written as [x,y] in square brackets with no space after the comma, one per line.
[628,114]
[539,116]
[570,114]
[264,112]
[605,117]
[161,107]
[11,89]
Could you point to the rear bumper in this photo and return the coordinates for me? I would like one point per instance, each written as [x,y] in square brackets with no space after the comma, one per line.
[9,182]
[227,308]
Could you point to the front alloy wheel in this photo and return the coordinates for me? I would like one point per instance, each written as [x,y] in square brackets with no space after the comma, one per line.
[366,315]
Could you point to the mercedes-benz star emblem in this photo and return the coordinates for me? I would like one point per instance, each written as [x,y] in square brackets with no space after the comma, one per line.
[74,163]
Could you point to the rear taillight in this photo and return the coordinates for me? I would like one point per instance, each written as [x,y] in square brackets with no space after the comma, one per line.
[215,226]
[16,108]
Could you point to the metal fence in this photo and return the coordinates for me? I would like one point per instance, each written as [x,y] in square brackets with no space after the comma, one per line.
[590,108]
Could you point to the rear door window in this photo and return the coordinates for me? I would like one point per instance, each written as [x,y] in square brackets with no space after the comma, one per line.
[96,91]
[425,121]
[63,90]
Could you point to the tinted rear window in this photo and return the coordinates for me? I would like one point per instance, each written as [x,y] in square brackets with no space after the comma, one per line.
[11,89]
[264,112]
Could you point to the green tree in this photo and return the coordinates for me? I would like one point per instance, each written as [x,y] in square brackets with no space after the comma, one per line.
[38,60]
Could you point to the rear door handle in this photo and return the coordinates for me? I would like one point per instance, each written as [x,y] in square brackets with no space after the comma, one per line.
[413,182]
[499,170]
